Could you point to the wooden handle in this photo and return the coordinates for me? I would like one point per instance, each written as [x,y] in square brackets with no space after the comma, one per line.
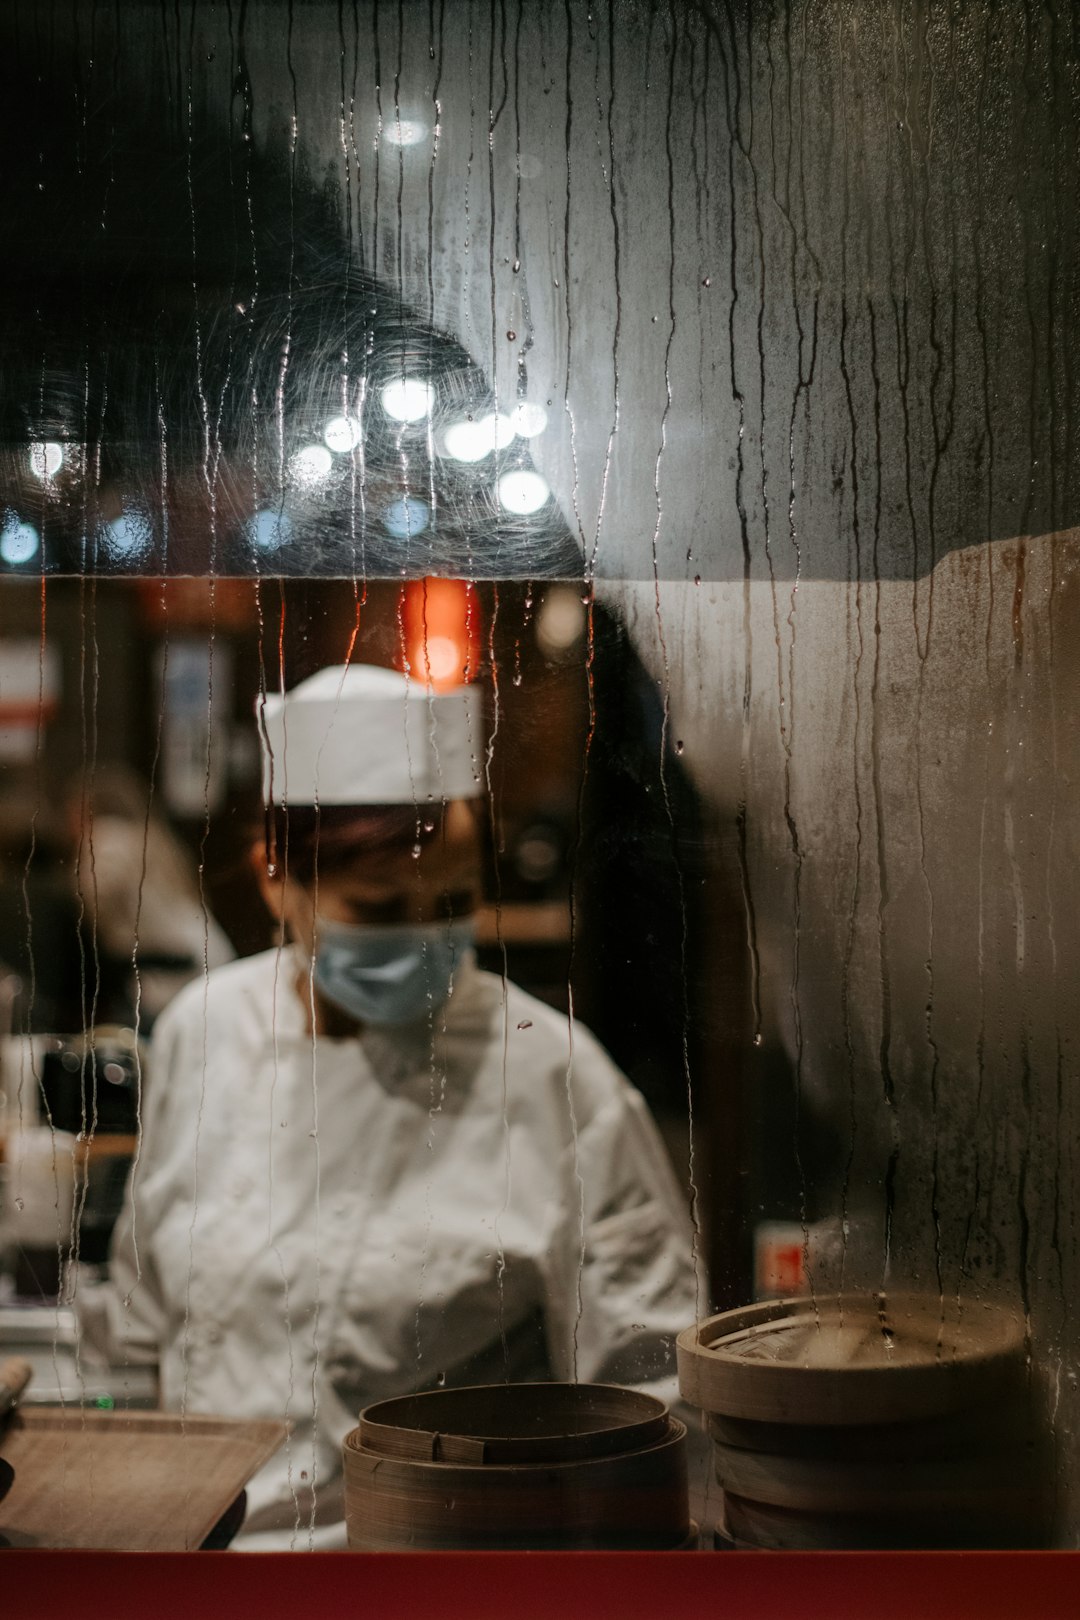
[15,1374]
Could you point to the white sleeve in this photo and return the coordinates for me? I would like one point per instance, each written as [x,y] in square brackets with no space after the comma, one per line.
[627,1271]
[634,1269]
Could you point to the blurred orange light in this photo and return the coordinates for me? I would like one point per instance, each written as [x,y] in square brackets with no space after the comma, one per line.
[441,632]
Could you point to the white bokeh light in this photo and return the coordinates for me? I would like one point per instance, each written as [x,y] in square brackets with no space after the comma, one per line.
[342,434]
[472,441]
[561,622]
[408,399]
[46,459]
[522,491]
[499,429]
[312,463]
[464,441]
[404,131]
[529,419]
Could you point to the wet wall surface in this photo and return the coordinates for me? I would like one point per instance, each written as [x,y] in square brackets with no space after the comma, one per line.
[794,291]
[892,780]
[795,287]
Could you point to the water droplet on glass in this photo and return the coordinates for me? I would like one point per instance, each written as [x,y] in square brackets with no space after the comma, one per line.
[416,852]
[517,266]
[271,869]
[19,1204]
[512,336]
[526,1023]
[707,281]
[440,1379]
[429,825]
[757,1038]
[639,1327]
[679,746]
[517,677]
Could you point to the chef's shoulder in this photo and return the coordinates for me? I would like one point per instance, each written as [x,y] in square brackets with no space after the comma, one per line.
[240,1000]
[551,1058]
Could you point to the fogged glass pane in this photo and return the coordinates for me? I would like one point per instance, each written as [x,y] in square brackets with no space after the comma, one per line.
[784,292]
[537,714]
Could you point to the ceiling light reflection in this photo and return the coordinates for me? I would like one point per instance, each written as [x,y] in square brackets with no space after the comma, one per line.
[522,491]
[46,459]
[499,428]
[463,441]
[472,441]
[528,419]
[404,131]
[342,434]
[311,464]
[561,622]
[408,399]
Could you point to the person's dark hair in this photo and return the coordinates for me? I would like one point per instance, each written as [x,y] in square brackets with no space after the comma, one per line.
[305,840]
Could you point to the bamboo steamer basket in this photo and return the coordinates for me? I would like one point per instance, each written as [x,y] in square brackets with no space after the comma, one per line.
[966,1432]
[517,1466]
[989,1484]
[984,1460]
[759,1526]
[850,1359]
[869,1422]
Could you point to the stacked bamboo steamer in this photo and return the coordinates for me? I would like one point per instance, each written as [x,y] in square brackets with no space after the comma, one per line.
[869,1421]
[517,1466]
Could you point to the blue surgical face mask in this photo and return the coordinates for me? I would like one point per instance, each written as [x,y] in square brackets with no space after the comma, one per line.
[391,975]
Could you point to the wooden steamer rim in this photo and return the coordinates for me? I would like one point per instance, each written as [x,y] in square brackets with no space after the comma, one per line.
[598,1485]
[488,1425]
[660,1458]
[849,1358]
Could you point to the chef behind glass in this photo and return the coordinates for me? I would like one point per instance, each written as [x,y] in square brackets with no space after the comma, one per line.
[367,1166]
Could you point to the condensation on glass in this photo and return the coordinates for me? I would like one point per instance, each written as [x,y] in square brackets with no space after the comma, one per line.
[728,354]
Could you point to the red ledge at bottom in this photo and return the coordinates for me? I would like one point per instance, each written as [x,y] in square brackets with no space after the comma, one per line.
[541,1586]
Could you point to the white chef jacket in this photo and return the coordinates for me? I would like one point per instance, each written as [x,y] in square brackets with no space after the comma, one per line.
[315,1225]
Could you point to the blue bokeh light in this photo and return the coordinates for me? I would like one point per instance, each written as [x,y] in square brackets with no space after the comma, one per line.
[19,541]
[127,535]
[406,517]
[269,530]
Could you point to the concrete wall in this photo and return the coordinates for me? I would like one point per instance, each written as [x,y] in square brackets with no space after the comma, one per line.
[904,761]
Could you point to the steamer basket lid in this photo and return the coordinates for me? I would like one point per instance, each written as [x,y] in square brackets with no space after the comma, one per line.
[851,1358]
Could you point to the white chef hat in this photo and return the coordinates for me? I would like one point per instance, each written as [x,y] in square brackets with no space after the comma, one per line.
[355,734]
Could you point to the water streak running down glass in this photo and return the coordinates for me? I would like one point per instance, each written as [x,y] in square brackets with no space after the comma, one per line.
[692,392]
